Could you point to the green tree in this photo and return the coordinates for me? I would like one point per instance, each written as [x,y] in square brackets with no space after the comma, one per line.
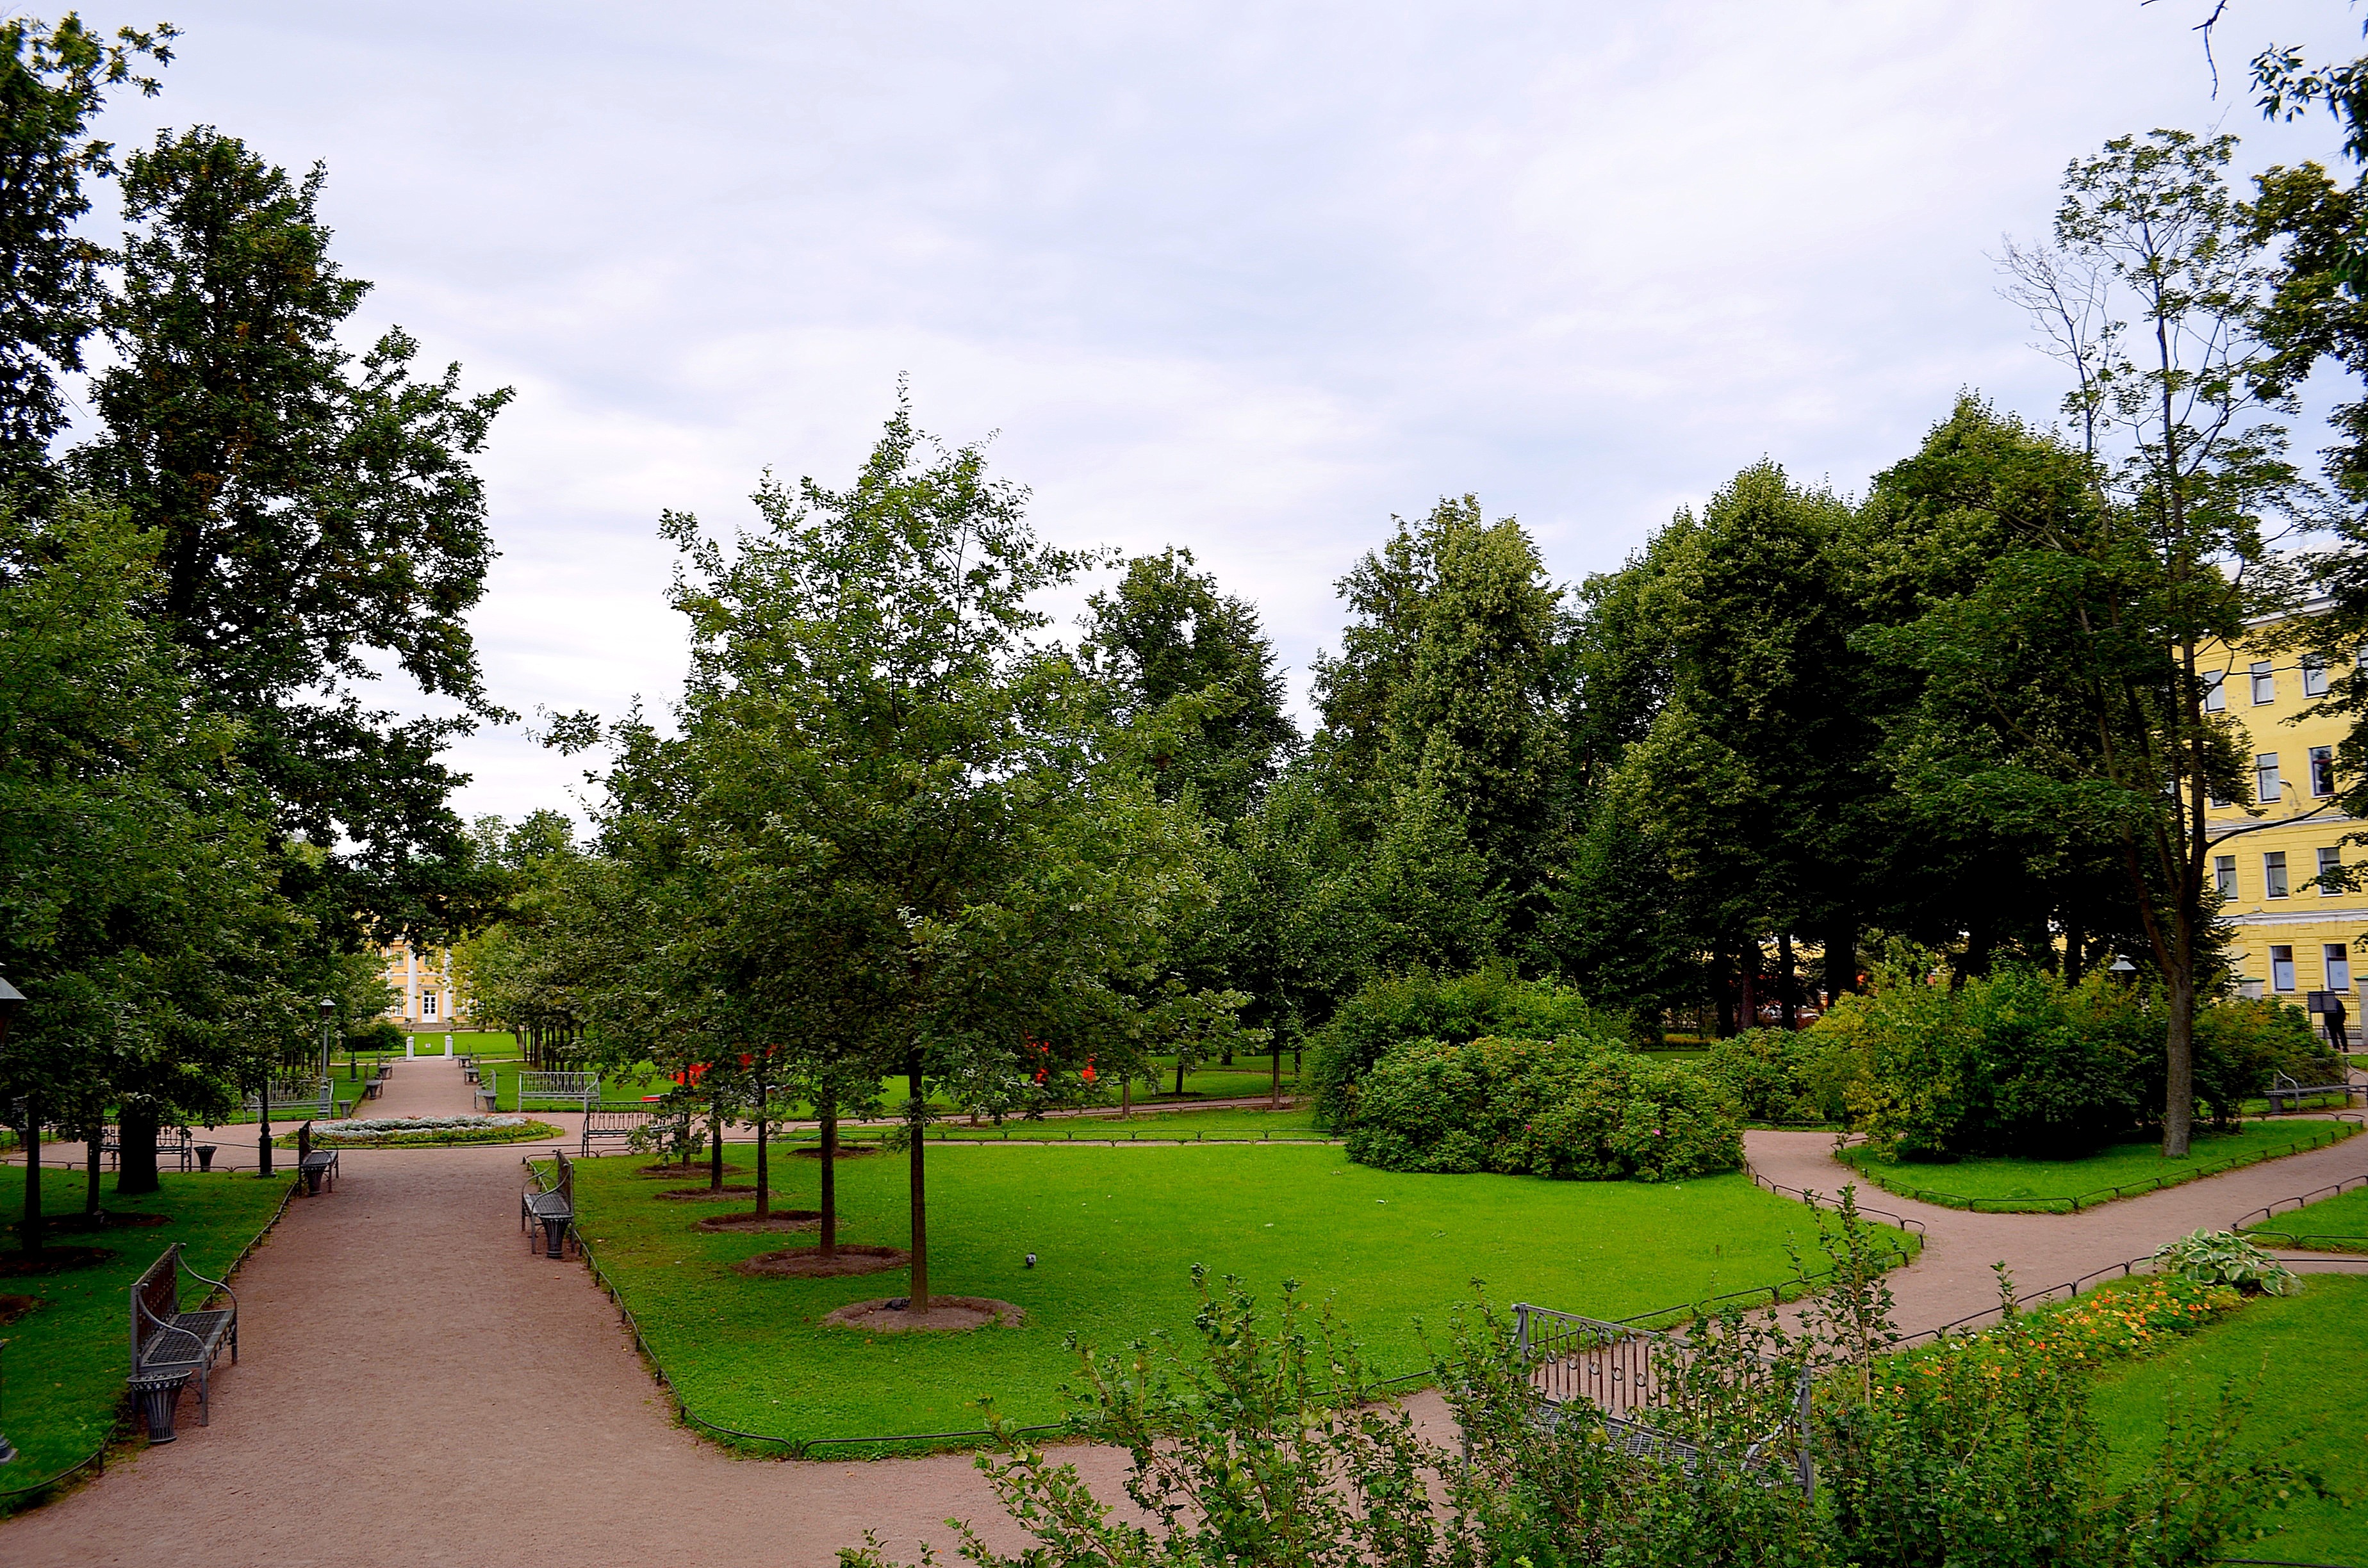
[2069,685]
[316,509]
[875,752]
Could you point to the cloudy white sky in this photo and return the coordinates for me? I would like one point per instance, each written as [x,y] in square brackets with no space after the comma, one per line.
[1247,277]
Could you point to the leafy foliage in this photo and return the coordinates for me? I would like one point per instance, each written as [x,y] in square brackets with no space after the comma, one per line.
[1385,1014]
[2224,1257]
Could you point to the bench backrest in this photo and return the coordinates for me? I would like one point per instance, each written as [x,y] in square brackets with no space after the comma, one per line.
[566,1188]
[585,1086]
[155,1297]
[304,1142]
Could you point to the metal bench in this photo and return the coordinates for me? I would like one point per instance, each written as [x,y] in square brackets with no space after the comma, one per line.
[169,1346]
[607,1122]
[550,1204]
[488,1091]
[581,1086]
[172,1144]
[469,1068]
[314,1165]
[316,1095]
[2287,1093]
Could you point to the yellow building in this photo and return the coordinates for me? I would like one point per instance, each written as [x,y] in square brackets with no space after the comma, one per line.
[2291,935]
[422,982]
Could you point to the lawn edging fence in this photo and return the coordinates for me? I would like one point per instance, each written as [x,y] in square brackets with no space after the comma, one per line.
[2301,1242]
[2074,1203]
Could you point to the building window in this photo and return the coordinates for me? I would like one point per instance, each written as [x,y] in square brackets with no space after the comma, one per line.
[2265,777]
[2224,874]
[2282,976]
[2338,967]
[428,1006]
[2330,871]
[2274,874]
[2322,771]
[2314,676]
[2215,691]
[2265,683]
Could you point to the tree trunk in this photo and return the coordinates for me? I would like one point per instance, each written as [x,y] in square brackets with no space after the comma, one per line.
[1179,1073]
[829,1108]
[715,1149]
[1841,961]
[919,1127]
[30,1228]
[90,1175]
[1787,981]
[764,1188]
[1721,990]
[1277,1084]
[2178,1098]
[2073,959]
[135,1169]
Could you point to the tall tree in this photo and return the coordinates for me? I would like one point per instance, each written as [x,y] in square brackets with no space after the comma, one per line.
[315,508]
[54,79]
[2070,684]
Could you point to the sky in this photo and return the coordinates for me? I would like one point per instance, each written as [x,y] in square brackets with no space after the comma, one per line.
[1248,278]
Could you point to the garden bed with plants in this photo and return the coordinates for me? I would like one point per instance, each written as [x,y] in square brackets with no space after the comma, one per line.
[67,1348]
[2005,1184]
[425,1131]
[1113,1230]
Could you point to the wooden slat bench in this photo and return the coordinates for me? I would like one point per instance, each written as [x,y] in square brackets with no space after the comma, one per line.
[550,1204]
[2288,1092]
[169,1346]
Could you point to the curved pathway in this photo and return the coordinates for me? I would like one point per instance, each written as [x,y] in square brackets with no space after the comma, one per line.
[1952,1279]
[420,1388]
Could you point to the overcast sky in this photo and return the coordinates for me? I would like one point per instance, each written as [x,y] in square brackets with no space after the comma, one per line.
[1244,277]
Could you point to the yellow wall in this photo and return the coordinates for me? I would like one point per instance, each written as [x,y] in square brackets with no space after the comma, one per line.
[424,995]
[2300,823]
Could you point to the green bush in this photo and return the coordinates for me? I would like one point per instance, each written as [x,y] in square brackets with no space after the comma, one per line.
[2222,1257]
[1782,1076]
[1454,1009]
[1576,1110]
[381,1037]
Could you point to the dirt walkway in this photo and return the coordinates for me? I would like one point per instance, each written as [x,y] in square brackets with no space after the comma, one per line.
[420,1390]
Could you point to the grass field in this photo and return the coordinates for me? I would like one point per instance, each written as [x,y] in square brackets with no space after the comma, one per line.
[2004,1185]
[1116,1231]
[1143,1127]
[2304,1404]
[66,1359]
[2331,1224]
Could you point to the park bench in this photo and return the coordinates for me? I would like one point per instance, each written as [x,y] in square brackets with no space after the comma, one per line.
[316,1095]
[314,1165]
[169,1346]
[371,1087]
[550,1204]
[2287,1092]
[469,1068]
[172,1144]
[488,1091]
[584,1087]
[607,1122]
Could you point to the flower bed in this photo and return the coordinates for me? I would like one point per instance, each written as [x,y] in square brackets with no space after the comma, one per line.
[425,1132]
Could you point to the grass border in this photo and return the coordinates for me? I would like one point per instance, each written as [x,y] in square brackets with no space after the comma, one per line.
[95,1460]
[1878,1173]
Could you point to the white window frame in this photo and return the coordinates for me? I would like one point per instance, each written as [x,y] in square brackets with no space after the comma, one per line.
[2224,875]
[2281,970]
[2215,691]
[2266,788]
[2337,959]
[2264,674]
[2322,771]
[2328,860]
[2274,874]
[2314,676]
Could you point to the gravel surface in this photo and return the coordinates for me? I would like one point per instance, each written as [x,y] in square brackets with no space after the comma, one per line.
[418,1388]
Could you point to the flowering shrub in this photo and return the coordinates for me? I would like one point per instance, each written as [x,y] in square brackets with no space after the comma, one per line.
[2222,1257]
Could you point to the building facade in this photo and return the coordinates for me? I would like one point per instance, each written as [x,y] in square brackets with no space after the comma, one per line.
[422,980]
[2292,933]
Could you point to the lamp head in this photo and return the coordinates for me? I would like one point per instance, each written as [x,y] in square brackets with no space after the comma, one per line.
[12,1002]
[2122,966]
[327,1006]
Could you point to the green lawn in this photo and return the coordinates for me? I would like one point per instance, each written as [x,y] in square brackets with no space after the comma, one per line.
[1181,1126]
[66,1360]
[2331,1224]
[2304,1402]
[1116,1231]
[2003,1184]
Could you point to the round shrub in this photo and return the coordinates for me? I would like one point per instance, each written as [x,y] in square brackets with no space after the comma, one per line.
[1456,1010]
[1575,1110]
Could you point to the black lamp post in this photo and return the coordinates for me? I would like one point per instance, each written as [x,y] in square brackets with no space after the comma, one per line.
[11,1000]
[328,1011]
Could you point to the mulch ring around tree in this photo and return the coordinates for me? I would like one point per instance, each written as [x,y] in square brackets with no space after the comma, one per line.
[67,1225]
[50,1260]
[947,1314]
[804,1263]
[13,1307]
[778,1220]
[693,1194]
[685,1173]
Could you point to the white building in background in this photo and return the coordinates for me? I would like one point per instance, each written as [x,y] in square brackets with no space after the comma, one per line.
[422,980]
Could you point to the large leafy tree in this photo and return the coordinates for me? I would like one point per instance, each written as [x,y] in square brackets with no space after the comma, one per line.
[138,905]
[916,845]
[54,79]
[317,510]
[2070,684]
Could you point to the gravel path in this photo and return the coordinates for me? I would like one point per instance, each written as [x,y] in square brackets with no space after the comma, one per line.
[421,1390]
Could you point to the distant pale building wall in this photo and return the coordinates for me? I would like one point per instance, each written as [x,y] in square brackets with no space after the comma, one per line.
[422,980]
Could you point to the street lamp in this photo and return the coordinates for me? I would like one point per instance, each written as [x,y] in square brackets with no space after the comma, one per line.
[2123,970]
[328,1011]
[11,1001]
